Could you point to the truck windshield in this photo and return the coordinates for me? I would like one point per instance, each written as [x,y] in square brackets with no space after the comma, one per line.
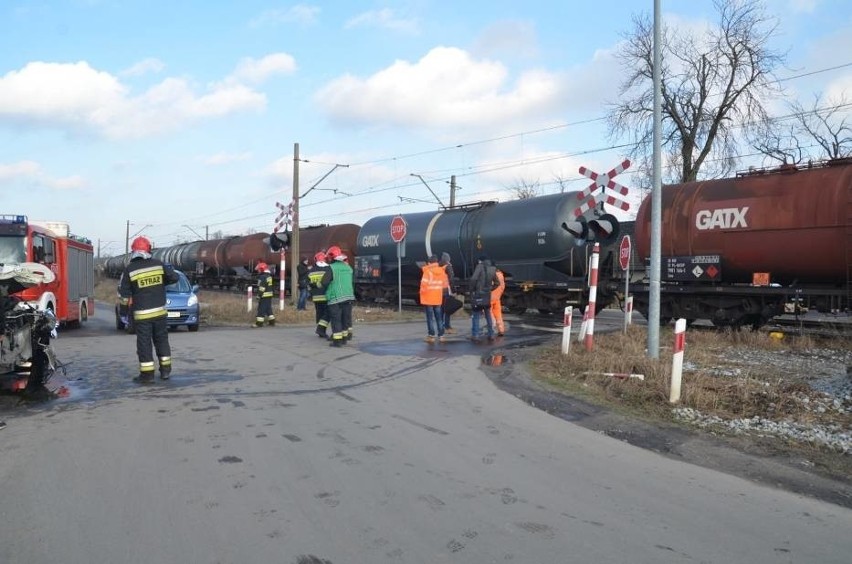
[12,250]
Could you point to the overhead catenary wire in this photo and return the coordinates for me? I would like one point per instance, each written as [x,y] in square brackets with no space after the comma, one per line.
[468,171]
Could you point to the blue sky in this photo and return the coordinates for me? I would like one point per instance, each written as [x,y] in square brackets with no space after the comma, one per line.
[182,116]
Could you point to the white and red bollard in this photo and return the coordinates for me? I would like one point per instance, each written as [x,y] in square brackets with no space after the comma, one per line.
[630,310]
[677,359]
[248,303]
[566,329]
[589,339]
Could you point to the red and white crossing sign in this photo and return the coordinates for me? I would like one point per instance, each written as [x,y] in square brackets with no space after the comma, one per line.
[398,228]
[624,252]
[602,182]
[284,218]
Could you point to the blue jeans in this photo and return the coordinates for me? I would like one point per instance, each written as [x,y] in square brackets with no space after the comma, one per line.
[434,319]
[303,298]
[474,330]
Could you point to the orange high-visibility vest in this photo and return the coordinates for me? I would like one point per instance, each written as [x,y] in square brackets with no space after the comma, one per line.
[432,284]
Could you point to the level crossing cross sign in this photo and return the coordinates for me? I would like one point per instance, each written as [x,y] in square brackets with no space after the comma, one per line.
[283,220]
[398,229]
[602,182]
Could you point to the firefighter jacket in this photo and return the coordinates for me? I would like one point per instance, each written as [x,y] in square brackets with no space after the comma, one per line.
[264,285]
[497,293]
[432,284]
[315,277]
[338,283]
[144,280]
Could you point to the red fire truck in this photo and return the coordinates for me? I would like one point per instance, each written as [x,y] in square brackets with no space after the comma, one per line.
[71,258]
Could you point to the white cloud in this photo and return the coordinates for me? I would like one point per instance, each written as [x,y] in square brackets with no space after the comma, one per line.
[145,66]
[384,18]
[445,88]
[224,158]
[78,98]
[30,172]
[303,14]
[258,70]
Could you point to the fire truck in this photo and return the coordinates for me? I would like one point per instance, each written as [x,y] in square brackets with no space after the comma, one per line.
[71,296]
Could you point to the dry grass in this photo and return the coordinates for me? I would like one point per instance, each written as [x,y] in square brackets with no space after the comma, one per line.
[725,374]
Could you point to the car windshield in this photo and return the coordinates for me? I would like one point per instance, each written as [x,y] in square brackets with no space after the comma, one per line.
[181,286]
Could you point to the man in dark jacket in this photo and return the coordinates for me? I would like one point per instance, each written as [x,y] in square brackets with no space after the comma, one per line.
[448,292]
[143,281]
[483,280]
[302,273]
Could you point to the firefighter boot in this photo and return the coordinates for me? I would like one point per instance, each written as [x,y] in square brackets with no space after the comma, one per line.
[144,378]
[165,372]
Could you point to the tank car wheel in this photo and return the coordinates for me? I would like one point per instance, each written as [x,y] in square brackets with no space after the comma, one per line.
[517,310]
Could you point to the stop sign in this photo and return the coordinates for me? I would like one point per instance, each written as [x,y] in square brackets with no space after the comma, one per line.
[624,252]
[397,229]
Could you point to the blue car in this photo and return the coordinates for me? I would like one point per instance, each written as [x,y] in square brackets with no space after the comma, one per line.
[181,303]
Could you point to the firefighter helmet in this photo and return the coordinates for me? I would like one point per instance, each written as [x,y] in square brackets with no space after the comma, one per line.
[141,244]
[261,267]
[333,252]
[319,257]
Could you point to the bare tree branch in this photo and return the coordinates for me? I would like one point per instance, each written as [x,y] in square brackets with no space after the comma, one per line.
[712,88]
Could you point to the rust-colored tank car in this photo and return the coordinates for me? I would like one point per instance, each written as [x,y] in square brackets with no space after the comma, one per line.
[230,262]
[791,223]
[740,250]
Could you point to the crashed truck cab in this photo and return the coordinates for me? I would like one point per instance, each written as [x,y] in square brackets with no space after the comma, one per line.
[26,356]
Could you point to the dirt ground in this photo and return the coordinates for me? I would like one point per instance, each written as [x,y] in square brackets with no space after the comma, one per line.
[809,471]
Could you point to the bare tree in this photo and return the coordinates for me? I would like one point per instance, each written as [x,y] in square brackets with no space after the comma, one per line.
[524,190]
[819,132]
[778,141]
[712,84]
[827,125]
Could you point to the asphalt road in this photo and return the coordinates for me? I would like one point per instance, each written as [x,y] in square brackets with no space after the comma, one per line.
[269,446]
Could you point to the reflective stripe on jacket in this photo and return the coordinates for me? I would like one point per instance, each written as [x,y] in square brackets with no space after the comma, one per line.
[145,280]
[264,285]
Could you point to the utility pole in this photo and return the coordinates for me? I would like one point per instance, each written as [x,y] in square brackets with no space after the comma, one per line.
[453,191]
[653,343]
[127,238]
[294,236]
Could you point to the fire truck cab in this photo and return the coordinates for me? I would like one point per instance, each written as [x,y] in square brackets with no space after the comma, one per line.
[71,259]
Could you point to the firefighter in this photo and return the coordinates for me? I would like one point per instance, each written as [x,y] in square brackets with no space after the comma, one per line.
[315,277]
[143,282]
[264,295]
[340,293]
[496,305]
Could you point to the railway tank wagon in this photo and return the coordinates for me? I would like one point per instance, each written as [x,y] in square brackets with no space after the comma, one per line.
[229,263]
[545,264]
[736,250]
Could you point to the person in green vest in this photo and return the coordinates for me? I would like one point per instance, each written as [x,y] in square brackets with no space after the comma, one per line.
[340,295]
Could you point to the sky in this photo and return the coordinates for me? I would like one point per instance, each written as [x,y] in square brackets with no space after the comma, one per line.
[179,119]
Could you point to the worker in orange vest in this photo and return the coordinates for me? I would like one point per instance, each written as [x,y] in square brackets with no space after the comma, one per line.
[496,306]
[432,286]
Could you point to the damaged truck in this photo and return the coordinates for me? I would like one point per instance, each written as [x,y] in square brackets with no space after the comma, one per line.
[27,360]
